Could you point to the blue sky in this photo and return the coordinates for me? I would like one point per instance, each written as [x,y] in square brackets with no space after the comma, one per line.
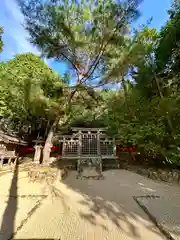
[157,9]
[16,38]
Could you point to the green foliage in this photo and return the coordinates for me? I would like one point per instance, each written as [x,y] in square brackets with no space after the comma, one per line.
[30,89]
[168,50]
[176,5]
[148,116]
[135,52]
[136,121]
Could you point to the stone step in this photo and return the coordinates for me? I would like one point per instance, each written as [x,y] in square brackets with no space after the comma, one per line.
[124,156]
[108,161]
[109,164]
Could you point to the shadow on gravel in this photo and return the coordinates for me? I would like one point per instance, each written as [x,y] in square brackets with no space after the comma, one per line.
[110,205]
[106,210]
[7,225]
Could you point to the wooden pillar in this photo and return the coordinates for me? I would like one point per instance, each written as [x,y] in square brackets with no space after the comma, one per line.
[63,147]
[59,150]
[79,144]
[98,144]
[79,154]
[99,151]
[1,161]
[115,152]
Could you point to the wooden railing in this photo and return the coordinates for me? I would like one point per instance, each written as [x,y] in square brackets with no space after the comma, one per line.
[5,154]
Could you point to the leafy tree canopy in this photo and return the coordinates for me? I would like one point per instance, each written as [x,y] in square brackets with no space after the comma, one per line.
[78,32]
[30,89]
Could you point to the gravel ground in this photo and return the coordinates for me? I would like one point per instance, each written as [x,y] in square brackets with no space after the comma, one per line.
[83,209]
[76,216]
[120,186]
[17,198]
[167,213]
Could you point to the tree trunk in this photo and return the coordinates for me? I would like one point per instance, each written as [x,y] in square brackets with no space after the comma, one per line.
[48,143]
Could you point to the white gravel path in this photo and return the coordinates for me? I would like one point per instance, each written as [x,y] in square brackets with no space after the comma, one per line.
[84,210]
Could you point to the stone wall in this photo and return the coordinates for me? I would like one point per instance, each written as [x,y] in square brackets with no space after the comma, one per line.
[171,176]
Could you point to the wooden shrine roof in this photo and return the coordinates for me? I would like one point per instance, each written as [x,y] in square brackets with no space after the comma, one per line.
[11,138]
